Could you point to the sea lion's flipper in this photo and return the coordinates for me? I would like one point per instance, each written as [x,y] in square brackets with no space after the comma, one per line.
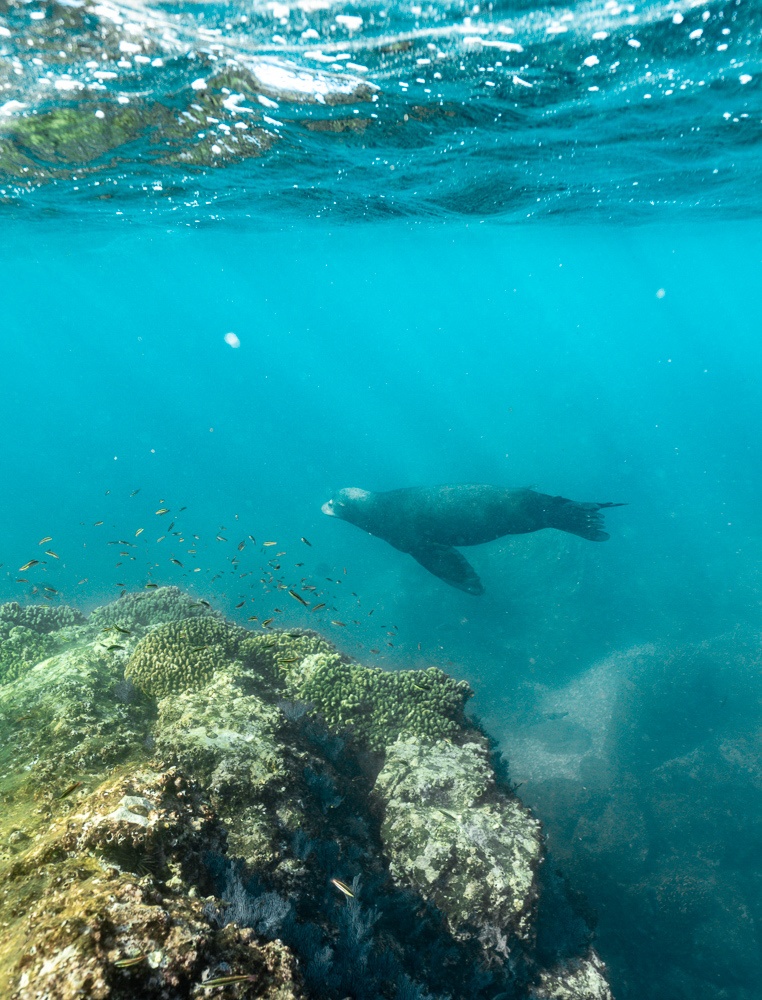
[583,519]
[449,565]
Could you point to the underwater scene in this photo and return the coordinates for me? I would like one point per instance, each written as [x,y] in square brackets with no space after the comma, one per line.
[380,535]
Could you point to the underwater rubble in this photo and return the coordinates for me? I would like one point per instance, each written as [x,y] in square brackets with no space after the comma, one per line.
[189,808]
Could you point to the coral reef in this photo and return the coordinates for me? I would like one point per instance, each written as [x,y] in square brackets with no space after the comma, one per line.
[184,801]
[25,635]
[178,656]
[146,609]
[378,705]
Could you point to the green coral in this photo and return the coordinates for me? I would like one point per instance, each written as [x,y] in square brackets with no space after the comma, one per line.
[40,618]
[181,656]
[273,654]
[380,705]
[148,608]
[21,648]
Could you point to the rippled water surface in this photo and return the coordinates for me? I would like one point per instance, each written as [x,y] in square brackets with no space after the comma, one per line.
[207,110]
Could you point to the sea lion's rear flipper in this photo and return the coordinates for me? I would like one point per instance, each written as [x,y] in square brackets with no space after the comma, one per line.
[583,519]
[449,565]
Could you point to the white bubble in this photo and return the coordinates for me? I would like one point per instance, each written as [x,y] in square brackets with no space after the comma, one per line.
[232,340]
[349,21]
[660,293]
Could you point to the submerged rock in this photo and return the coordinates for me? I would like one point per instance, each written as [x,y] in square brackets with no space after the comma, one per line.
[580,979]
[195,802]
[124,911]
[450,834]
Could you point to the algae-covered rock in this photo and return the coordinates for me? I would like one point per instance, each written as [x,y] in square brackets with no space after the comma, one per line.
[20,649]
[180,656]
[76,135]
[229,739]
[380,705]
[68,716]
[91,134]
[451,835]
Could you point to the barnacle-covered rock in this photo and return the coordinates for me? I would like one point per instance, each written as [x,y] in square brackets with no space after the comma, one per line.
[455,838]
[579,979]
[120,878]
[147,608]
[182,655]
[380,705]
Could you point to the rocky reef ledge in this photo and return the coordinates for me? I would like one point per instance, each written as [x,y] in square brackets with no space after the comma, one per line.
[189,808]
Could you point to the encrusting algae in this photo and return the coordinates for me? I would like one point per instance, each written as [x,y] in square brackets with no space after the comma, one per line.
[196,809]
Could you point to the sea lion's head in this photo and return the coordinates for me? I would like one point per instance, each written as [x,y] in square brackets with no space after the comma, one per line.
[344,502]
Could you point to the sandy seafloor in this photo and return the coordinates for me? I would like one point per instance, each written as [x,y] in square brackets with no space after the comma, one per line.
[614,363]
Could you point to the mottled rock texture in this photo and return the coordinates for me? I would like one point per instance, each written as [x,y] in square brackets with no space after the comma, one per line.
[185,801]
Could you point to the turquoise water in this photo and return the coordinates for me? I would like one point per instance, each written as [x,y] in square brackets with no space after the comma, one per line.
[555,287]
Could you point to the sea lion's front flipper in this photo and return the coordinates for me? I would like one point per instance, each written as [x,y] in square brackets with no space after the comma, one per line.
[449,565]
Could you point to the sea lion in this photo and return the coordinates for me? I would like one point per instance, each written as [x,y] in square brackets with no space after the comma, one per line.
[428,521]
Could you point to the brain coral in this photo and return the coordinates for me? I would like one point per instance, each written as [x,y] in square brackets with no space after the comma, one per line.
[180,656]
